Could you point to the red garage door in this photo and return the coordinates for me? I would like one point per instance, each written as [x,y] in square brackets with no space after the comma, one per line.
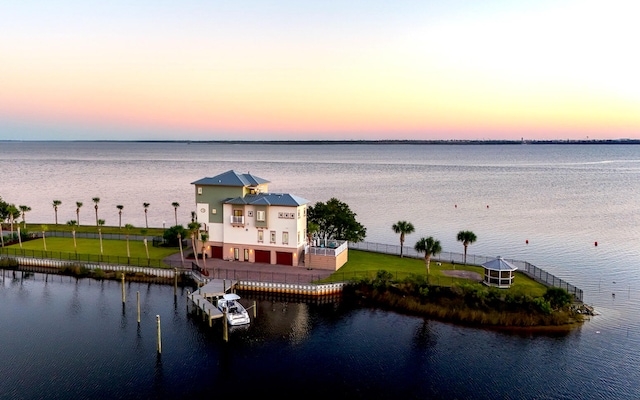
[284,258]
[216,252]
[263,256]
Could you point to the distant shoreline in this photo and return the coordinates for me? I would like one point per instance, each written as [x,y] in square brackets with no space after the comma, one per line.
[347,142]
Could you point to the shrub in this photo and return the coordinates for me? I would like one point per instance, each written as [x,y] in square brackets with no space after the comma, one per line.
[170,236]
[557,297]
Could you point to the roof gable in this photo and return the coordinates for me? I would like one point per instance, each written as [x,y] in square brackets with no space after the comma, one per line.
[269,199]
[232,178]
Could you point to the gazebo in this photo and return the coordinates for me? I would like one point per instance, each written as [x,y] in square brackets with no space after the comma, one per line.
[499,273]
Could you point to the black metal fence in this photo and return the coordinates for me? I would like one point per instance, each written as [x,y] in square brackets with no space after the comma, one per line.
[529,269]
[91,258]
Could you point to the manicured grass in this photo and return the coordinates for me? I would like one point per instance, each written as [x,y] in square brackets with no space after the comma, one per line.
[91,247]
[37,228]
[366,264]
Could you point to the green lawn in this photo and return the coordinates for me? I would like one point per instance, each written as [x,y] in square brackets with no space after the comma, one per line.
[58,247]
[366,264]
[37,228]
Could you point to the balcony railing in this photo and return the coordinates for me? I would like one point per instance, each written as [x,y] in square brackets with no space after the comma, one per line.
[237,220]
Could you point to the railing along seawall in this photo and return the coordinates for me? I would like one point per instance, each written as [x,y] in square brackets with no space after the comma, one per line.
[536,273]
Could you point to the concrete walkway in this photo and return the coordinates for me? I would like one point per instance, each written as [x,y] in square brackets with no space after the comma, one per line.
[243,270]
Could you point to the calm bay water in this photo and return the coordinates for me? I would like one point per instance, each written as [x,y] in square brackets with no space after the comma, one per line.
[561,198]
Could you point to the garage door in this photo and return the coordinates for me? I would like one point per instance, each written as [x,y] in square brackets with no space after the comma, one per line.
[216,252]
[263,256]
[284,258]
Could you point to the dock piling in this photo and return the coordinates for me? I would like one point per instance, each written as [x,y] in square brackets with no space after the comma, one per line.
[159,336]
[138,297]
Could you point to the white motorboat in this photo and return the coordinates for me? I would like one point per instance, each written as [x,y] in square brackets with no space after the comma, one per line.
[236,313]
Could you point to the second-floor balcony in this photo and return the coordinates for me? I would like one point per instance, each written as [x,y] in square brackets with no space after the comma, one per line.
[237,220]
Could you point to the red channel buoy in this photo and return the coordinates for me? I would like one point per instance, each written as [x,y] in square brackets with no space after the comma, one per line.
[527,241]
[595,244]
[487,206]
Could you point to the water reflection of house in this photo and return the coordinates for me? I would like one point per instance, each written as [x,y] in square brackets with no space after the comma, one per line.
[245,222]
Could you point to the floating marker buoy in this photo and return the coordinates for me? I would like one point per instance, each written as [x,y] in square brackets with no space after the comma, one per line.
[527,241]
[456,206]
[487,206]
[595,243]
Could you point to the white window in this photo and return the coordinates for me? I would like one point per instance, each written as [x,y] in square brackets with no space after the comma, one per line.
[199,190]
[273,236]
[260,236]
[298,214]
[260,216]
[285,237]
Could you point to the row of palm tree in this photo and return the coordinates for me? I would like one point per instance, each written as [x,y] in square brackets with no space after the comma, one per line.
[96,200]
[430,246]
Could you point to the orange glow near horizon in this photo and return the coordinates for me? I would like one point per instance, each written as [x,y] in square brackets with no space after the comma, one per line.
[472,82]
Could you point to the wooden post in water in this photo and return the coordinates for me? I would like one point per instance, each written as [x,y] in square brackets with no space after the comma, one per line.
[255,309]
[138,296]
[175,281]
[159,336]
[124,297]
[188,298]
[225,331]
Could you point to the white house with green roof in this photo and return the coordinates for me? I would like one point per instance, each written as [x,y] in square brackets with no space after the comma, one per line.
[247,223]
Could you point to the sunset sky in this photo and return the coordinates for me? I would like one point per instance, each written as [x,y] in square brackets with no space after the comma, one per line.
[355,69]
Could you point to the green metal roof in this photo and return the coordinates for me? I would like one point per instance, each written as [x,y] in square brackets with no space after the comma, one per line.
[231,178]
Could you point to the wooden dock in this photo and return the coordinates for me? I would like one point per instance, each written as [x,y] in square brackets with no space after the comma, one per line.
[204,296]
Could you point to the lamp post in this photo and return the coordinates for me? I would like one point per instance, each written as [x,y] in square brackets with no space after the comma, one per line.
[163,222]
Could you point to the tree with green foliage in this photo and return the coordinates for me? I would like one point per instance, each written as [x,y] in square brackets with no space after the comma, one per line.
[73,222]
[430,247]
[96,200]
[175,205]
[14,213]
[119,207]
[170,235]
[194,229]
[467,238]
[44,240]
[403,228]
[127,229]
[56,203]
[23,211]
[146,209]
[78,205]
[558,298]
[100,223]
[335,220]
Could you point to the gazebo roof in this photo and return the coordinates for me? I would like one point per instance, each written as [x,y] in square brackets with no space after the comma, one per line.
[499,264]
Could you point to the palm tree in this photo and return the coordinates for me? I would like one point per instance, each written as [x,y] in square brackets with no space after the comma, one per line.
[312,228]
[56,203]
[72,222]
[466,237]
[23,211]
[119,207]
[44,240]
[204,237]
[175,205]
[13,214]
[146,206]
[144,240]
[96,200]
[78,205]
[1,234]
[128,228]
[430,247]
[181,252]
[403,228]
[100,223]
[194,227]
